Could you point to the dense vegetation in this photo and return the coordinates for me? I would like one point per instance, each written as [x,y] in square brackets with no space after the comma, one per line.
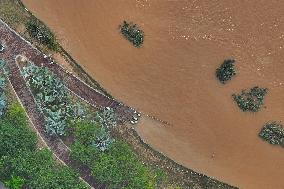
[51,96]
[132,33]
[226,71]
[250,100]
[117,165]
[42,33]
[22,165]
[273,132]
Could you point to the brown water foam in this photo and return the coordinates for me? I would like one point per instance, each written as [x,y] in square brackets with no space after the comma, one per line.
[172,75]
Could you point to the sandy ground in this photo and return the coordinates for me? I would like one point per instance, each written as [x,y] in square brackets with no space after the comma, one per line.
[172,75]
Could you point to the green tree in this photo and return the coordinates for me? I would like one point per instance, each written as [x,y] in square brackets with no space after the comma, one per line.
[15,182]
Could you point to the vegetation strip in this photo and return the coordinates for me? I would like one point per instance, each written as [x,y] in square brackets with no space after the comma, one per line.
[23,165]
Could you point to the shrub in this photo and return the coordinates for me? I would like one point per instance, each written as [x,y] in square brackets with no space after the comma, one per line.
[16,115]
[92,133]
[15,182]
[22,165]
[250,100]
[273,132]
[2,62]
[15,136]
[3,99]
[226,71]
[40,171]
[51,96]
[132,33]
[84,154]
[118,166]
[85,131]
[107,118]
[42,33]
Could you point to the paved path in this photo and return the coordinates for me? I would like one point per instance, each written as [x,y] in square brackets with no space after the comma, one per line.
[15,45]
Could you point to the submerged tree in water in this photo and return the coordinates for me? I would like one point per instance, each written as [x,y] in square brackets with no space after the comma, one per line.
[250,100]
[273,132]
[226,71]
[132,33]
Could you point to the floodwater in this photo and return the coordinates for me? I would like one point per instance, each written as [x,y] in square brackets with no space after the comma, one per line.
[172,77]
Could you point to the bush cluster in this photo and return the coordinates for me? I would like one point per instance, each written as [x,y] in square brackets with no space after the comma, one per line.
[250,100]
[273,132]
[226,71]
[42,33]
[115,164]
[132,33]
[51,96]
[24,166]
[92,134]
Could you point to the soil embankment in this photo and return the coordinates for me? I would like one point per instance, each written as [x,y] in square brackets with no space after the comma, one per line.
[172,76]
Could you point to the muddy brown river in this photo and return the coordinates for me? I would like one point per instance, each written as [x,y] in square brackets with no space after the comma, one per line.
[172,76]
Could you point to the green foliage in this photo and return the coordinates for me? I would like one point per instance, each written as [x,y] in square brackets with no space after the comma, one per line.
[92,133]
[16,115]
[42,33]
[2,62]
[15,136]
[226,71]
[84,154]
[3,98]
[85,131]
[250,100]
[273,132]
[40,171]
[52,97]
[107,118]
[22,164]
[118,166]
[132,33]
[15,182]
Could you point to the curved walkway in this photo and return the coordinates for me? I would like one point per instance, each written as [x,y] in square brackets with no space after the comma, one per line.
[16,45]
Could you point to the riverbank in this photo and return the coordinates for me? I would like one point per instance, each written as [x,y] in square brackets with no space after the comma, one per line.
[197,36]
[188,179]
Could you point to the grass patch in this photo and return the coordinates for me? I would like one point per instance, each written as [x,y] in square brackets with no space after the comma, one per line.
[226,71]
[273,132]
[250,100]
[132,33]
